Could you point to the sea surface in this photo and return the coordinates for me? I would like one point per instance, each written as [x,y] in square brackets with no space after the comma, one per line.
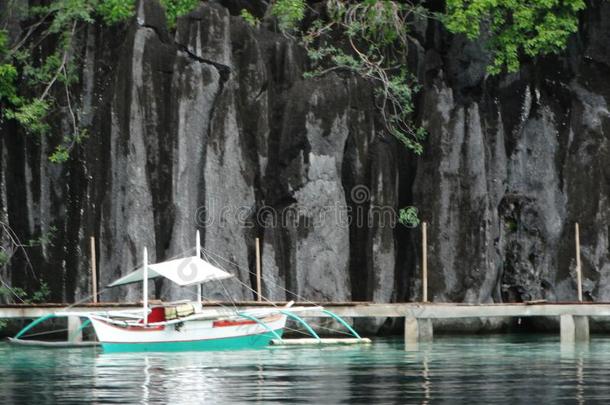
[509,369]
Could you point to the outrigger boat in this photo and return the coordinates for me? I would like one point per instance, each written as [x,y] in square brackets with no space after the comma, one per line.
[186,325]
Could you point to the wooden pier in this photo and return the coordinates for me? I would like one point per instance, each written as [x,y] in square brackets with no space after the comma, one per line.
[574,316]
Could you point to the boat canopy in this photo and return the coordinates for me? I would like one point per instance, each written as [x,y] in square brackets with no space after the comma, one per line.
[186,271]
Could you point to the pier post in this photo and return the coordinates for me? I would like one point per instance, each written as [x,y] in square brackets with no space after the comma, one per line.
[418,330]
[424,261]
[258,272]
[578,265]
[74,331]
[93,271]
[574,328]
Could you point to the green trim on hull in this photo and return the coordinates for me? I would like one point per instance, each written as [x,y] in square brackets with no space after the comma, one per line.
[233,343]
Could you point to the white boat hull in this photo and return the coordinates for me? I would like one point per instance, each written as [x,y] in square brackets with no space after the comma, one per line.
[204,334]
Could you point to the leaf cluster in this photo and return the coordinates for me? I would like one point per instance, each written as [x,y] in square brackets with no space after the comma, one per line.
[249,18]
[38,296]
[36,77]
[10,245]
[374,34]
[409,217]
[517,28]
[289,13]
[177,8]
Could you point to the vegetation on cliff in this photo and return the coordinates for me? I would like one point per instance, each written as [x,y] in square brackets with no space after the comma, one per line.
[515,28]
[368,38]
[39,68]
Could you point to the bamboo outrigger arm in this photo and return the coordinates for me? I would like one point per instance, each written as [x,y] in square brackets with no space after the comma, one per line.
[255,319]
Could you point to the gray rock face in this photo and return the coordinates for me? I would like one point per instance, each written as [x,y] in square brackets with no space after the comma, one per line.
[130,208]
[499,178]
[196,86]
[214,128]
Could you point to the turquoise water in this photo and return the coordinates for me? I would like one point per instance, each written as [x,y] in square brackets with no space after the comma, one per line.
[511,369]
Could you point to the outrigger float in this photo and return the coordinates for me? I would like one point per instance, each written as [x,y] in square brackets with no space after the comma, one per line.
[186,325]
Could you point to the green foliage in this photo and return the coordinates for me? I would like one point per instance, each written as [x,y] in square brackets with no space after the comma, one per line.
[66,12]
[62,151]
[3,324]
[408,217]
[373,34]
[32,116]
[249,18]
[8,294]
[38,296]
[45,239]
[8,249]
[31,102]
[4,258]
[115,11]
[380,21]
[8,89]
[336,58]
[517,27]
[289,13]
[8,74]
[30,71]
[177,8]
[60,154]
[4,43]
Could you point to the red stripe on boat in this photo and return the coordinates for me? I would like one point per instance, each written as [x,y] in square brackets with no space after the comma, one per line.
[134,328]
[223,323]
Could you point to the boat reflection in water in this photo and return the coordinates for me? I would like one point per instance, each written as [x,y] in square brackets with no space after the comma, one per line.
[506,369]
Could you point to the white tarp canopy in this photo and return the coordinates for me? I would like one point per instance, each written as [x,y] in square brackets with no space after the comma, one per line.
[186,271]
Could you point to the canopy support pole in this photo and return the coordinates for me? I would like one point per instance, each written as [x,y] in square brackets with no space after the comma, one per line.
[145,288]
[198,253]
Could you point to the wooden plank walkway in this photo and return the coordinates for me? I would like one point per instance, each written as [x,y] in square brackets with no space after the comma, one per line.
[418,316]
[357,309]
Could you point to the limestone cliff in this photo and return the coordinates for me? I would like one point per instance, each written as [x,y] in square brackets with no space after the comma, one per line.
[214,127]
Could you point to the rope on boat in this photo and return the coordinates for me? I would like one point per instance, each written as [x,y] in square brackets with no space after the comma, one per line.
[8,287]
[352,332]
[255,319]
[288,313]
[45,333]
[302,321]
[87,298]
[34,323]
[233,311]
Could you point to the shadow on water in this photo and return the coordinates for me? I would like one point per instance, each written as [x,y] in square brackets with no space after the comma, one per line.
[476,369]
